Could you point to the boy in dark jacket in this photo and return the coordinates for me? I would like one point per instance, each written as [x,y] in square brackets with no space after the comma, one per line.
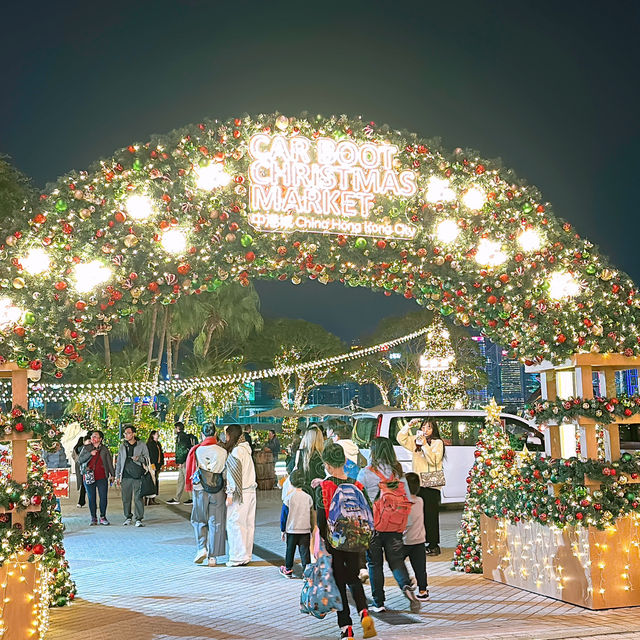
[345,564]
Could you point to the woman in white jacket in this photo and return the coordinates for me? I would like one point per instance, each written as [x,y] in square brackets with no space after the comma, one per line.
[241,497]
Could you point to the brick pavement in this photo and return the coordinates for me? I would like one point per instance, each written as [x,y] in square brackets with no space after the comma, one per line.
[141,584]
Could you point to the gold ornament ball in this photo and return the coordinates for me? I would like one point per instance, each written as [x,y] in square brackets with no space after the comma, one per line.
[130,240]
[296,280]
[282,122]
[18,283]
[136,292]
[62,362]
[230,237]
[606,274]
[11,241]
[85,214]
[237,154]
[439,260]
[78,194]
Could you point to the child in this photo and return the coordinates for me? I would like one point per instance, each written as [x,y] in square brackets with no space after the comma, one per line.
[296,524]
[345,564]
[414,538]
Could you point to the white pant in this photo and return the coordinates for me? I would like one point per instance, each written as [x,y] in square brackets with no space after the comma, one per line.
[241,526]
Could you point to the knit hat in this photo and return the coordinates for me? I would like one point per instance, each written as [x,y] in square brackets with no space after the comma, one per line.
[333,454]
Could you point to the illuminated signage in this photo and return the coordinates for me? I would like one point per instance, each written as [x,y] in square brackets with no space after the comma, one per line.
[325,186]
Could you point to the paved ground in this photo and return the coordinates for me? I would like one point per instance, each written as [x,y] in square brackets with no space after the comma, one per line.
[141,584]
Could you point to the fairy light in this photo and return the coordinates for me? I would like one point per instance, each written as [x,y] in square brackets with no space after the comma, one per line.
[139,207]
[490,254]
[174,241]
[89,275]
[447,231]
[563,285]
[36,261]
[212,176]
[439,190]
[530,240]
[474,198]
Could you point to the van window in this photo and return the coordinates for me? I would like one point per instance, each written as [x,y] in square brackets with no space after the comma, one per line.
[364,431]
[465,431]
[446,426]
[630,437]
[521,435]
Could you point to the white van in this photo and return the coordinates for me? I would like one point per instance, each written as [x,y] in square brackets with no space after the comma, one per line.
[459,430]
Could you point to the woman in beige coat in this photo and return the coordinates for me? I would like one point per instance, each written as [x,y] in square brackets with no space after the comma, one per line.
[427,449]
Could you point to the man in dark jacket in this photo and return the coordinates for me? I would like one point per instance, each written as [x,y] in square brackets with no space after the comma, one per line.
[183,446]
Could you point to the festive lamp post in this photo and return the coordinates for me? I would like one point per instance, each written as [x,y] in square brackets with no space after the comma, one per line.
[24,595]
[572,531]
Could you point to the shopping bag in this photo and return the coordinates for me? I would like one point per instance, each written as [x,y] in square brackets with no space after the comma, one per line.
[320,594]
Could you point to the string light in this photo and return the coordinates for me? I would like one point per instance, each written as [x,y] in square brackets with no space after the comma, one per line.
[89,275]
[36,261]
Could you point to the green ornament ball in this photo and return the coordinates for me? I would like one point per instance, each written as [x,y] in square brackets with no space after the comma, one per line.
[137,165]
[246,240]
[446,310]
[61,205]
[22,361]
[630,496]
[527,208]
[590,269]
[626,457]
[360,243]
[29,318]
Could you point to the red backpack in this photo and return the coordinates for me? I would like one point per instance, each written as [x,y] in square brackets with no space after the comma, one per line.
[391,509]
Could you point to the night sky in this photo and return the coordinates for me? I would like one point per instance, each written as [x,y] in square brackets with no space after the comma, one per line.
[550,87]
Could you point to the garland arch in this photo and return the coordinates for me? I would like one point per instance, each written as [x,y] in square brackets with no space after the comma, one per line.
[294,198]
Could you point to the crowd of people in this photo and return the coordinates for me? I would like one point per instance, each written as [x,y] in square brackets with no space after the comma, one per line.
[328,480]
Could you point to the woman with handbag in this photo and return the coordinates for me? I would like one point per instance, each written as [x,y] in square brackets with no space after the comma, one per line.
[427,449]
[156,456]
[77,450]
[96,464]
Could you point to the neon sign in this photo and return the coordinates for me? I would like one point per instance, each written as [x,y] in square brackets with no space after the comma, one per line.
[324,186]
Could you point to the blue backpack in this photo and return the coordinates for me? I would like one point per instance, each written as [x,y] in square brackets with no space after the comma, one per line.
[349,520]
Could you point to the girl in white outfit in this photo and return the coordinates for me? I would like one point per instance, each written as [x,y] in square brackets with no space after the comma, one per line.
[241,497]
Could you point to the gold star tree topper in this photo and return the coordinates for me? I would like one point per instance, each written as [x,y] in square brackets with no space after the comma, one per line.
[493,410]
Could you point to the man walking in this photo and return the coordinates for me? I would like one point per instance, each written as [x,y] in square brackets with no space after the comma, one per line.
[133,458]
[183,446]
[273,444]
[204,468]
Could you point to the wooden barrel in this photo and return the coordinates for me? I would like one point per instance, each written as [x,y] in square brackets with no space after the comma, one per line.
[265,469]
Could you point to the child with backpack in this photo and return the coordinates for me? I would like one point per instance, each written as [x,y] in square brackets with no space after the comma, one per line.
[383,480]
[346,524]
[295,524]
[415,536]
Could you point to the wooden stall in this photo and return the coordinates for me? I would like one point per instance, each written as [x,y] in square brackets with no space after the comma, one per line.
[581,565]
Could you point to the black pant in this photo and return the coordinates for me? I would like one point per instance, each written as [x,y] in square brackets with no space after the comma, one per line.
[431,503]
[303,542]
[82,498]
[417,555]
[102,487]
[345,572]
[157,478]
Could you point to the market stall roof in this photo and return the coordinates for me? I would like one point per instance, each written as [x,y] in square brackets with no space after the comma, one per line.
[278,412]
[324,410]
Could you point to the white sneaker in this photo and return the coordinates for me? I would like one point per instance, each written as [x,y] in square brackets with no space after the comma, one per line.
[139,523]
[212,562]
[200,556]
[375,609]
[127,522]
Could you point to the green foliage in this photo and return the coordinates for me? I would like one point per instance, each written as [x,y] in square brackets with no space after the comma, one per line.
[16,194]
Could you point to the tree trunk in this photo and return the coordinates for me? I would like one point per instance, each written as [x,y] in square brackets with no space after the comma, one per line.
[163,332]
[176,353]
[384,393]
[207,343]
[169,354]
[154,319]
[107,355]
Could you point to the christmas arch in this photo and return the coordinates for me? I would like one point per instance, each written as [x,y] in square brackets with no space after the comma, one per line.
[296,198]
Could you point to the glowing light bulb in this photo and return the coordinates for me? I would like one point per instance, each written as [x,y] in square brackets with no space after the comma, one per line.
[9,313]
[447,231]
[530,240]
[139,207]
[474,198]
[490,253]
[174,241]
[563,285]
[439,190]
[36,261]
[90,274]
[213,176]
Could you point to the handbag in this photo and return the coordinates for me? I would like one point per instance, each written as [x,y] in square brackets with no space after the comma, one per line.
[432,479]
[89,476]
[133,470]
[148,486]
[211,482]
[320,593]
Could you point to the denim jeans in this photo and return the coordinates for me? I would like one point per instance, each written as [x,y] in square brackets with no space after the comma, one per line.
[302,541]
[391,544]
[101,486]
